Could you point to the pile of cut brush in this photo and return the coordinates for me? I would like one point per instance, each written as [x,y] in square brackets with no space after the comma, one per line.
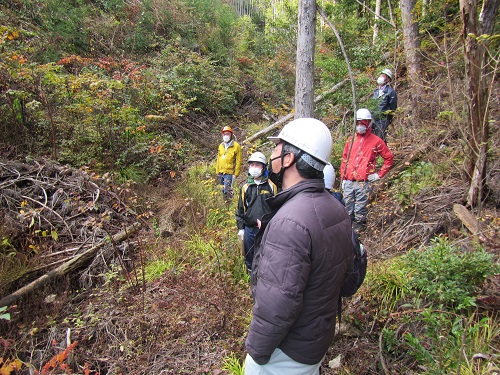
[55,219]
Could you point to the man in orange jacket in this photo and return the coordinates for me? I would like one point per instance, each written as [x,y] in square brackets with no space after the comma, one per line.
[358,168]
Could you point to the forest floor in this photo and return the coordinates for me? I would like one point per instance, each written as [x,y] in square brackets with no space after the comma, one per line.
[185,321]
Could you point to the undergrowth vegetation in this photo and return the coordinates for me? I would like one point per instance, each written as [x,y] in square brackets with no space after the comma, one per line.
[139,90]
[427,299]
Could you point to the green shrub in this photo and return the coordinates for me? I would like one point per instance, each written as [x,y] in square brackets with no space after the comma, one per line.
[417,177]
[389,282]
[447,275]
[232,364]
[155,269]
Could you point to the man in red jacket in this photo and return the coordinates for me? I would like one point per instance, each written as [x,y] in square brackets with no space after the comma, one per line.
[358,168]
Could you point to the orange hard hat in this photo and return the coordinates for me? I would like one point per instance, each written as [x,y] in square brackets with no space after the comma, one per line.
[227,129]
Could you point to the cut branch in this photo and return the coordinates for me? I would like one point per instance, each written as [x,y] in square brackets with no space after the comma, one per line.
[290,116]
[67,267]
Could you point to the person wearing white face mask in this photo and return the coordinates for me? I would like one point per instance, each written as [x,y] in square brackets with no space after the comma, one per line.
[228,164]
[252,203]
[387,104]
[358,168]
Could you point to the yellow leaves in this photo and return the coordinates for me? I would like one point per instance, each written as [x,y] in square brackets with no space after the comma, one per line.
[8,367]
[13,35]
[19,58]
[156,117]
[35,248]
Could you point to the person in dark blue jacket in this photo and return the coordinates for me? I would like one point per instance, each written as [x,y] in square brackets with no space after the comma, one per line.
[387,104]
[252,203]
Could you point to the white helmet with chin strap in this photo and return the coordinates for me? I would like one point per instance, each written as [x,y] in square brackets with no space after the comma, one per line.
[309,135]
[329,176]
[387,72]
[258,157]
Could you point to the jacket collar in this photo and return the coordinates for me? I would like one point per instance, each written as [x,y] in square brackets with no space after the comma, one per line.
[317,185]
[263,180]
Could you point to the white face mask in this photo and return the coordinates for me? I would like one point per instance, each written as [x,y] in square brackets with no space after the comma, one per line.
[255,171]
[226,138]
[361,129]
[380,81]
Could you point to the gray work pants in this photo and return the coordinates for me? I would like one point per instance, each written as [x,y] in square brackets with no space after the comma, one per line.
[356,195]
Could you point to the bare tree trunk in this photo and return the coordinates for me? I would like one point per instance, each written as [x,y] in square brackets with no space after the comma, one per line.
[376,25]
[391,16]
[411,41]
[478,90]
[304,80]
[284,119]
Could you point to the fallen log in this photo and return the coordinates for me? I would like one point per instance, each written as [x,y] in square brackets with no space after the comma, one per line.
[69,266]
[290,115]
[472,224]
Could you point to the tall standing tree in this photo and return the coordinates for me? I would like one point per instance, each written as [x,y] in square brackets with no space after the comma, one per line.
[304,80]
[376,24]
[479,81]
[411,40]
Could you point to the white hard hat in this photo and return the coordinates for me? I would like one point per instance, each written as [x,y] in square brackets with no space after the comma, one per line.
[387,72]
[308,134]
[329,176]
[363,114]
[258,157]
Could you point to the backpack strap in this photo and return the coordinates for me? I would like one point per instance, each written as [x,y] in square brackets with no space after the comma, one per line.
[339,310]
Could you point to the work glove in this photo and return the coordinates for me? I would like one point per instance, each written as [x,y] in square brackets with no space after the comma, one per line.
[373,177]
[343,185]
[241,234]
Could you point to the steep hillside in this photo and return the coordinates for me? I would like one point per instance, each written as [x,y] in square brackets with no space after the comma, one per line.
[119,255]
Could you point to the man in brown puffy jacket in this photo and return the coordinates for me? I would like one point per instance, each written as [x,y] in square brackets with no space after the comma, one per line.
[303,253]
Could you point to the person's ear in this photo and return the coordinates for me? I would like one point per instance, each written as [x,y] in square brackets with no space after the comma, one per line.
[288,159]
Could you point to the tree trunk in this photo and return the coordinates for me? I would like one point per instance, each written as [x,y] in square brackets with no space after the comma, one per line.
[478,90]
[411,42]
[391,15]
[304,80]
[282,120]
[376,25]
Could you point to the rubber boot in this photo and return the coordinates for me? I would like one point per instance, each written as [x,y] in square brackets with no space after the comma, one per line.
[358,226]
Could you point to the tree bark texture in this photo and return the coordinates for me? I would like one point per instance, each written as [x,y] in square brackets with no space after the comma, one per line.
[477,89]
[411,42]
[304,80]
[376,24]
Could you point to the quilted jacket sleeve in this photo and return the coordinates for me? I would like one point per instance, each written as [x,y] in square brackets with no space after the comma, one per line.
[282,276]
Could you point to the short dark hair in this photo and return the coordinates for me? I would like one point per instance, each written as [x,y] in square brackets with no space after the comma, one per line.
[305,170]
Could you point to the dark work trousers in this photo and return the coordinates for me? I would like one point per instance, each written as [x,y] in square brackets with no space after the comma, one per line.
[380,128]
[249,241]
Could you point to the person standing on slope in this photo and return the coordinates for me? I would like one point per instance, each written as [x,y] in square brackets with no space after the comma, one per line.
[252,203]
[303,252]
[387,104]
[358,168]
[228,164]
